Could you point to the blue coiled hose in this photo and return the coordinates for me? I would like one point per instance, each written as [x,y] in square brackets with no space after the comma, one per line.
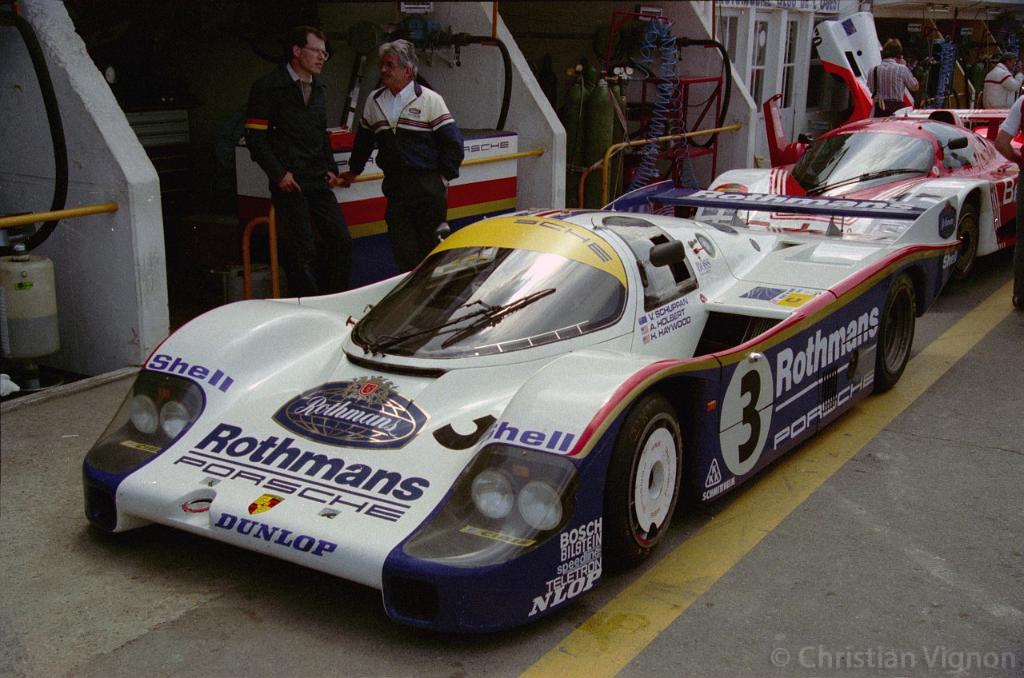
[947,60]
[658,39]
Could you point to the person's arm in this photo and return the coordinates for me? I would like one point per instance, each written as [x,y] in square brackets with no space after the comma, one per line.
[361,149]
[449,150]
[909,80]
[1011,83]
[332,167]
[1008,130]
[447,139]
[257,124]
[1004,146]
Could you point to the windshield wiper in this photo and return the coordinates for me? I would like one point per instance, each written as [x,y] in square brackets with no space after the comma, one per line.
[867,176]
[495,315]
[388,340]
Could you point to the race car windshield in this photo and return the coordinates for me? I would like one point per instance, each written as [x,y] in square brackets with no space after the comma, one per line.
[472,301]
[847,159]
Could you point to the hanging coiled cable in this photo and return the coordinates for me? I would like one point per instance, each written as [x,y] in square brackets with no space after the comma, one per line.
[947,62]
[726,95]
[658,40]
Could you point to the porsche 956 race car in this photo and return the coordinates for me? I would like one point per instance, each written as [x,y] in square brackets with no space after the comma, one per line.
[483,438]
[913,153]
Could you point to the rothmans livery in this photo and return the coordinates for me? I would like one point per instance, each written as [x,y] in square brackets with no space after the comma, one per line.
[409,144]
[484,438]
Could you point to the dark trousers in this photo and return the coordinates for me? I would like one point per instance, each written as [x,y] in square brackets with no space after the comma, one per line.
[417,204]
[316,249]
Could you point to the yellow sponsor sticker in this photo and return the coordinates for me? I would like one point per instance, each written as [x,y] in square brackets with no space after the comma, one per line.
[794,299]
[497,536]
[142,447]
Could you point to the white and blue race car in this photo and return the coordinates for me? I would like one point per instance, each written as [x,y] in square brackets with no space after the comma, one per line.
[482,438]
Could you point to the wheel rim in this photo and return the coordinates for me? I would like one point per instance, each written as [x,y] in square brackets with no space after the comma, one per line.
[968,236]
[654,482]
[897,331]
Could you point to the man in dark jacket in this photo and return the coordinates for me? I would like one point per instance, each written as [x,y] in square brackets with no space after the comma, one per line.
[286,131]
[419,149]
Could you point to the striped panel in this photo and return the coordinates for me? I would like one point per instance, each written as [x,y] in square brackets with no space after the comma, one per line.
[256,123]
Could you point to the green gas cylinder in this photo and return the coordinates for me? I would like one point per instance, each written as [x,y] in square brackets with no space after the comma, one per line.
[976,75]
[599,122]
[573,119]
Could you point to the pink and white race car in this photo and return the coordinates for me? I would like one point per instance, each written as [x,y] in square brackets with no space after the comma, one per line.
[897,158]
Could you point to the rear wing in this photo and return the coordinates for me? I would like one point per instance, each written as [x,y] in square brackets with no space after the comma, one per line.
[925,220]
[792,204]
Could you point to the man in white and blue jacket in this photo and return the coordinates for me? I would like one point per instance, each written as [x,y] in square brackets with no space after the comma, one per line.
[419,149]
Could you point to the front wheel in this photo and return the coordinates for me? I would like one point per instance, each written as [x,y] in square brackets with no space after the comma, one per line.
[896,333]
[642,488]
[967,232]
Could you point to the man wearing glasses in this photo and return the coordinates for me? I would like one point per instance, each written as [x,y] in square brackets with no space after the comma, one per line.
[286,131]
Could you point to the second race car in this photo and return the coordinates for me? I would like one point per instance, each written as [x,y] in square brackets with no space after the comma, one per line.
[898,158]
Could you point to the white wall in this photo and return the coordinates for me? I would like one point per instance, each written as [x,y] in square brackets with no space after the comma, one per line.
[735,148]
[474,90]
[110,271]
[569,31]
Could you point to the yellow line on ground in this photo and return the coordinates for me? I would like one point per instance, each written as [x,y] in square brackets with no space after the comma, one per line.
[609,640]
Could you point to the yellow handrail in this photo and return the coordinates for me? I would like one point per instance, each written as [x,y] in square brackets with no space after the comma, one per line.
[467,163]
[33,217]
[615,148]
[275,283]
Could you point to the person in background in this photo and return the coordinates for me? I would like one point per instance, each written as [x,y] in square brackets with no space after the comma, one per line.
[1002,86]
[419,149]
[286,132]
[1013,124]
[888,79]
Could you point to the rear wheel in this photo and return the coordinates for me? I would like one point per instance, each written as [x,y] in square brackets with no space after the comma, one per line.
[896,333]
[967,233]
[643,482]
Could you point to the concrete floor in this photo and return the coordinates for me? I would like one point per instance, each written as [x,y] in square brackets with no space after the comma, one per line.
[912,551]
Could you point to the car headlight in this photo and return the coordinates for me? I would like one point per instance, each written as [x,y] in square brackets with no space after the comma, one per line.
[158,410]
[143,414]
[492,494]
[174,417]
[507,501]
[540,506]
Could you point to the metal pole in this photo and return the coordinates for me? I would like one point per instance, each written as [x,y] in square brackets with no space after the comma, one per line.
[615,148]
[34,217]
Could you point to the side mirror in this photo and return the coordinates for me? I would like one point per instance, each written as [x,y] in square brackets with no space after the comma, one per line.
[443,231]
[668,253]
[804,138]
[956,143]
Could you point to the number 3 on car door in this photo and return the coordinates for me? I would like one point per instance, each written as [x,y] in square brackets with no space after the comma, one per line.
[746,414]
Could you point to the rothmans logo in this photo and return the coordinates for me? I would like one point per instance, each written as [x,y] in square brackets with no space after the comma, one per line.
[366,412]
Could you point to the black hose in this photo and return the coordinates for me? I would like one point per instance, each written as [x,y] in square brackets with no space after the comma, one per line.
[60,149]
[460,39]
[686,42]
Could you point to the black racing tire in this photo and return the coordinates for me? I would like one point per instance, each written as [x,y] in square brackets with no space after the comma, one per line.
[895,333]
[643,483]
[967,232]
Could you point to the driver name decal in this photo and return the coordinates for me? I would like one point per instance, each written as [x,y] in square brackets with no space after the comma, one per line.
[366,412]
